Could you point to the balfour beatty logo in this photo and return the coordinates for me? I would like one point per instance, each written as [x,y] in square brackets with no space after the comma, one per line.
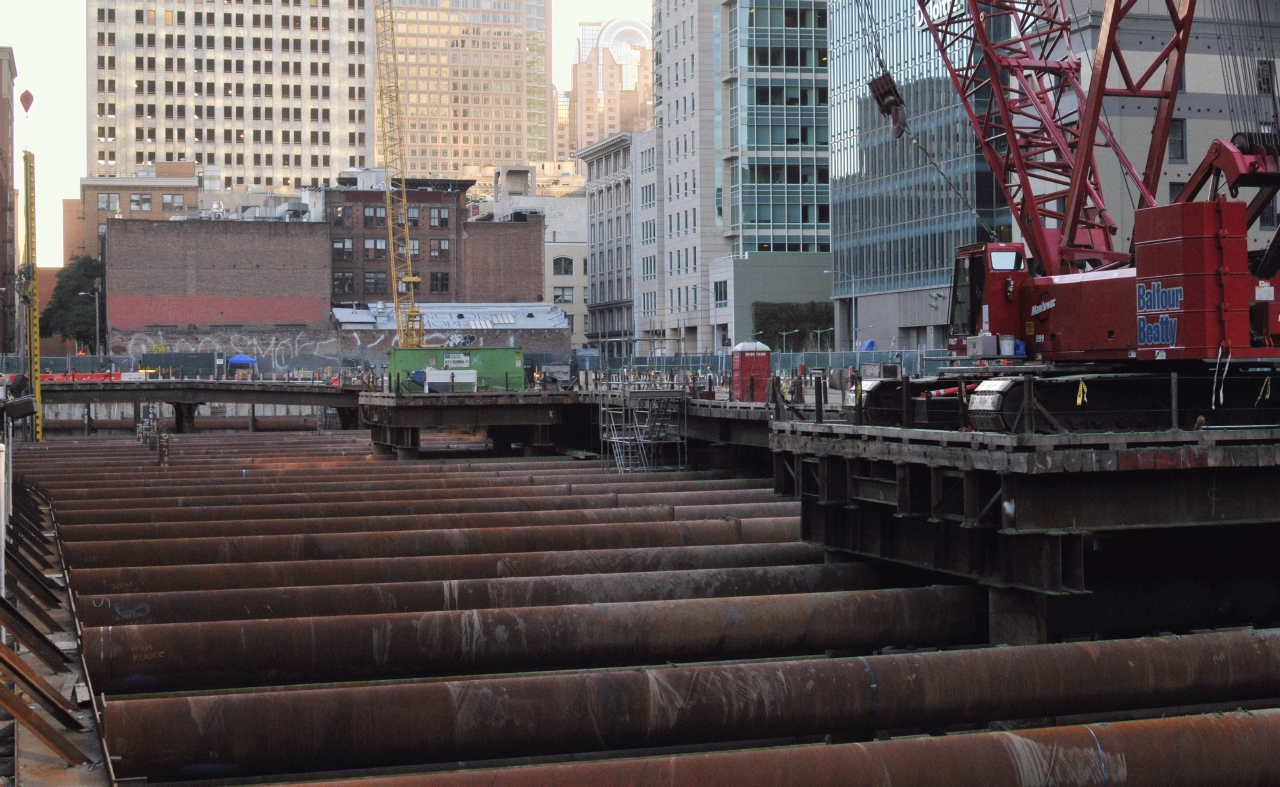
[1163,331]
[1041,308]
[1157,298]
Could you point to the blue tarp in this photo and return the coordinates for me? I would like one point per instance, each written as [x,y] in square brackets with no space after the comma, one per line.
[241,359]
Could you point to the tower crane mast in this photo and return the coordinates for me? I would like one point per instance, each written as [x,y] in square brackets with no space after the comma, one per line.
[391,139]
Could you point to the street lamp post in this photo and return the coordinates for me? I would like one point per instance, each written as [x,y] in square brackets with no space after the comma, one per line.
[819,333]
[784,335]
[97,323]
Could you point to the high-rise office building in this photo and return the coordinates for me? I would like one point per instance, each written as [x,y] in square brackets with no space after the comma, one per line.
[775,127]
[740,99]
[269,92]
[612,81]
[474,84]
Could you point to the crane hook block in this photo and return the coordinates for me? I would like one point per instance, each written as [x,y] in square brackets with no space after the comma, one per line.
[888,98]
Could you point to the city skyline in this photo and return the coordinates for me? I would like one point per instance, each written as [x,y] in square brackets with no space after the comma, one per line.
[57,130]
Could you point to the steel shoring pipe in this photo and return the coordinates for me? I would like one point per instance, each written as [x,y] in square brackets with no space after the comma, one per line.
[413,543]
[588,499]
[92,498]
[359,647]
[326,600]
[464,520]
[1221,750]
[213,507]
[491,718]
[426,569]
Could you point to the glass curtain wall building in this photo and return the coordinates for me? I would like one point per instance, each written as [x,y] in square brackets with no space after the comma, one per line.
[775,127]
[896,222]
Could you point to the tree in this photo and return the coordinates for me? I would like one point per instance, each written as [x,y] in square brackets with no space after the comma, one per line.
[69,314]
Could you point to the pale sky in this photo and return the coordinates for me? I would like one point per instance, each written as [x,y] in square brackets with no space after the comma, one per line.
[48,39]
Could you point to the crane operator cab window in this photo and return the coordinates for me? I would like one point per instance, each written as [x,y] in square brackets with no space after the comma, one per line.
[975,265]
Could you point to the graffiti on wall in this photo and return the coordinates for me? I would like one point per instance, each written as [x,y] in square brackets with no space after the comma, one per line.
[283,350]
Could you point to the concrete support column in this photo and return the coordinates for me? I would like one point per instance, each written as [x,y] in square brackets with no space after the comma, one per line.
[844,325]
[1017,617]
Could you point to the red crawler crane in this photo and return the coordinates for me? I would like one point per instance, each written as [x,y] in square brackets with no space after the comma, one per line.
[1185,293]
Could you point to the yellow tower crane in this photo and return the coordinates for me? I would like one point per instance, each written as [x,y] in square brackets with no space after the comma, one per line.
[409,327]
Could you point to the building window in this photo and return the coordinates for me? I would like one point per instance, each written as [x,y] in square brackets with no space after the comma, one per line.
[340,215]
[344,282]
[139,202]
[375,249]
[172,202]
[440,217]
[414,219]
[342,249]
[1266,77]
[439,247]
[1178,141]
[375,283]
[1268,218]
[375,216]
[1175,189]
[563,266]
[720,290]
[109,202]
[562,295]
[439,283]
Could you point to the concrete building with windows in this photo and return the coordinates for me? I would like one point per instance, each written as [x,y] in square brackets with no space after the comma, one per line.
[896,223]
[475,85]
[610,321]
[649,274]
[266,94]
[612,87]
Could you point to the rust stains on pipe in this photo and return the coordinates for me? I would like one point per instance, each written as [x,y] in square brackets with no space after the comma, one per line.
[344,546]
[466,520]
[444,721]
[214,508]
[419,506]
[425,569]
[1219,750]
[328,600]
[231,653]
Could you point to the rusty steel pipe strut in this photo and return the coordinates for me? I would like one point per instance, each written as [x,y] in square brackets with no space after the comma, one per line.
[327,600]
[175,656]
[422,505]
[425,569]
[1219,750]
[92,497]
[413,543]
[492,718]
[464,520]
[215,505]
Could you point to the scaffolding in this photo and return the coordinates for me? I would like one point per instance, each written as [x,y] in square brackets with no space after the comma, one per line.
[644,430]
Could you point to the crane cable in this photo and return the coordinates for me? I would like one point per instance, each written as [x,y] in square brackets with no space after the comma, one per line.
[899,119]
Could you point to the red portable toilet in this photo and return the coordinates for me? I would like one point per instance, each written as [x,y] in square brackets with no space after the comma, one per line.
[751,371]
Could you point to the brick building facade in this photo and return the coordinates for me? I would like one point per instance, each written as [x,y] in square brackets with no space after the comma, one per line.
[166,192]
[458,261]
[503,260]
[216,274]
[361,267]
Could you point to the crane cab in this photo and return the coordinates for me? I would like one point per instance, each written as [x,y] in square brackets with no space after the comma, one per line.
[985,298]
